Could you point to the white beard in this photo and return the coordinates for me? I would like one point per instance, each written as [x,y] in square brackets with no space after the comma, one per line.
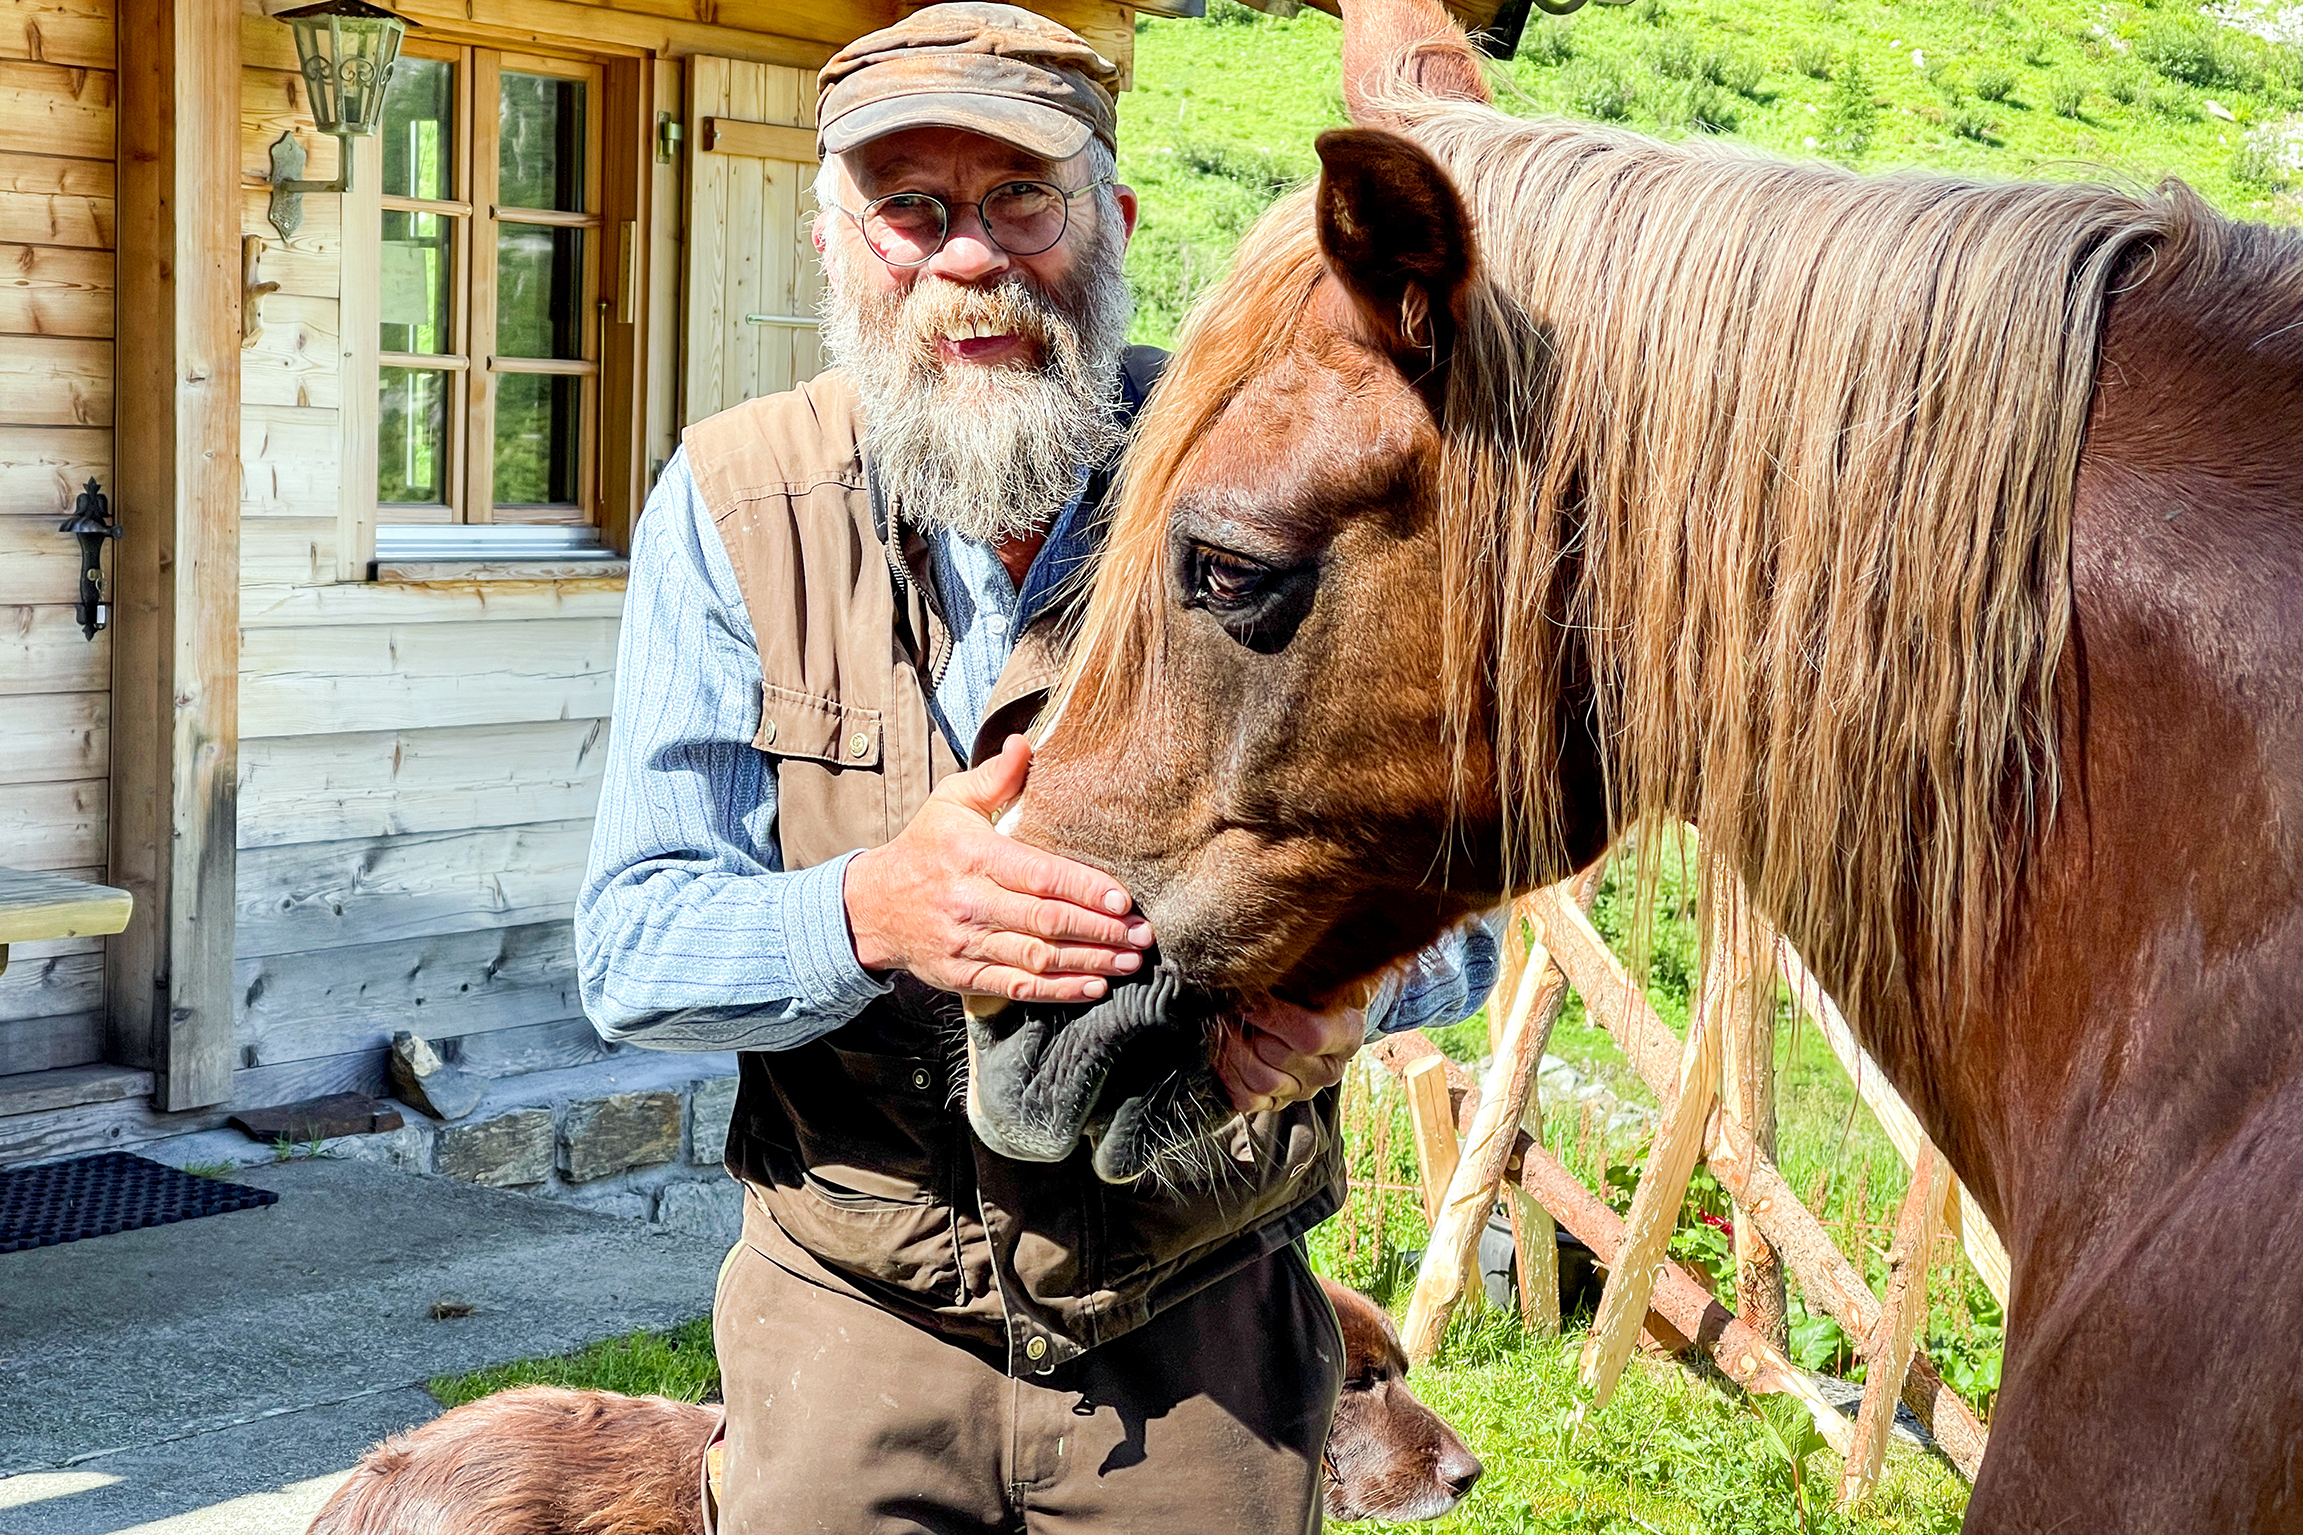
[992,453]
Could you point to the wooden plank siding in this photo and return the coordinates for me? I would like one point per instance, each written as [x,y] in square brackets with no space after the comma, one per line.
[381,784]
[57,108]
[318,1002]
[325,895]
[72,32]
[312,681]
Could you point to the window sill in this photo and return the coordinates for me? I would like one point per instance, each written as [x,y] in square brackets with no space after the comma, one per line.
[458,572]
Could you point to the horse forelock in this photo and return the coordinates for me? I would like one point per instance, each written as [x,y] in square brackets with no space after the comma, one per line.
[1774,463]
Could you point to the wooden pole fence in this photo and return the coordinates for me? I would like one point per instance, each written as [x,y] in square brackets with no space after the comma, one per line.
[1704,1116]
[1533,1007]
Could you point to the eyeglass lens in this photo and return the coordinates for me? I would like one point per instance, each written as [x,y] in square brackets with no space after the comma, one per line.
[1023,218]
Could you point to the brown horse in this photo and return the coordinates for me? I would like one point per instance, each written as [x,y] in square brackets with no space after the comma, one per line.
[1935,546]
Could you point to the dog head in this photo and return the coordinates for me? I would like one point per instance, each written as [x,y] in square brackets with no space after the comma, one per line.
[1388,1455]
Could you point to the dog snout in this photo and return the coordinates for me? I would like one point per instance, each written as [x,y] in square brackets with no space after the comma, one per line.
[1459,1471]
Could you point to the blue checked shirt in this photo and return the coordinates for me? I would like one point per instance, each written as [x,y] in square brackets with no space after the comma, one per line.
[690,935]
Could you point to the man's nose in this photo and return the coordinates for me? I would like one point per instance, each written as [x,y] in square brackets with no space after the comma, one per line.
[968,254]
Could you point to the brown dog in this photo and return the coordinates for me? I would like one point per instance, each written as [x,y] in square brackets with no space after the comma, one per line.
[1388,1455]
[543,1460]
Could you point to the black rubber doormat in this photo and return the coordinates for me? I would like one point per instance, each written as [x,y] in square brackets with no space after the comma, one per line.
[112,1191]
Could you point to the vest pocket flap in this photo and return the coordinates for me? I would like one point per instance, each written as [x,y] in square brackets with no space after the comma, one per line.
[806,725]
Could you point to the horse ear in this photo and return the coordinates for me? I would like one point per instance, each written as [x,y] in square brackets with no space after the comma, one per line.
[1393,230]
[1412,42]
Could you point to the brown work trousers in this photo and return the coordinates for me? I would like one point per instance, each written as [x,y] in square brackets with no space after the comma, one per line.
[845,1418]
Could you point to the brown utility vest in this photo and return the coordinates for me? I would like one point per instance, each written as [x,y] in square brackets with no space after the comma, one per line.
[860,1169]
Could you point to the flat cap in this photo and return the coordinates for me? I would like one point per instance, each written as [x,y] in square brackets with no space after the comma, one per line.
[997,70]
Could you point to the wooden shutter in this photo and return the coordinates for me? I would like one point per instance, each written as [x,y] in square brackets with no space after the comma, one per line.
[751,272]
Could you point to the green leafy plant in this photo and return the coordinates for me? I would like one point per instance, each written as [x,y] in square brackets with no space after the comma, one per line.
[1814,60]
[1787,1429]
[1995,84]
[2066,93]
[1852,117]
[1602,93]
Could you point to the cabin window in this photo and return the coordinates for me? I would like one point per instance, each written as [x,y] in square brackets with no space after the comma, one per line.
[488,385]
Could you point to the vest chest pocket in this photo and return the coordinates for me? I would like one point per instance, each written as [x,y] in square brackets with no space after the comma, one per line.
[834,778]
[817,729]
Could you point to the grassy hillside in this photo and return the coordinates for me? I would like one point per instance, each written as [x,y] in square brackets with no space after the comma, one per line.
[1225,109]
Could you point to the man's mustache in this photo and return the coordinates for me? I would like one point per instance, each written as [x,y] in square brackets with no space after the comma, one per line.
[936,308]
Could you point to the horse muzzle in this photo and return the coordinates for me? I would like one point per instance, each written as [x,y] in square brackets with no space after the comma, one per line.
[1129,1073]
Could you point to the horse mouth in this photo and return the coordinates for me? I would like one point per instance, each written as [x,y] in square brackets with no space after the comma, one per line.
[1129,1073]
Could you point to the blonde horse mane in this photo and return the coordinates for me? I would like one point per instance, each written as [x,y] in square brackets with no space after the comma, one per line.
[1784,456]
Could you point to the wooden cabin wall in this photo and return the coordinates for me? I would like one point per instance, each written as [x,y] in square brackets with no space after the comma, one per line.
[418,763]
[57,92]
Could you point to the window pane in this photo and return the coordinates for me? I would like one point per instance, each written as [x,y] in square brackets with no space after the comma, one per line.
[419,130]
[418,265]
[540,159]
[537,438]
[412,447]
[539,291]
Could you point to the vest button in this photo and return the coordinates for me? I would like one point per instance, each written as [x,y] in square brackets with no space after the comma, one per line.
[1036,1349]
[768,732]
[920,1080]
[858,744]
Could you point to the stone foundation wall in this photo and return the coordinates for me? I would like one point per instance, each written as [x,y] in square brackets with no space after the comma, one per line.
[639,1136]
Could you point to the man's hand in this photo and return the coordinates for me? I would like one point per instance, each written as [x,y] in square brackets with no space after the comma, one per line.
[968,910]
[1285,1053]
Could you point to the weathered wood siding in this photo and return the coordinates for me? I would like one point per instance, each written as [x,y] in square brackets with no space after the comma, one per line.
[57,90]
[418,764]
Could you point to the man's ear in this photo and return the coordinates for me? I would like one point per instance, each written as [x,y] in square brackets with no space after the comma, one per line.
[1394,233]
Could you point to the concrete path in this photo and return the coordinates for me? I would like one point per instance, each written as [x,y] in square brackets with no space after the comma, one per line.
[219,1376]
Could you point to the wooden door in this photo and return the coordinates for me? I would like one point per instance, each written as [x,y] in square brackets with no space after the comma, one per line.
[57,82]
[752,275]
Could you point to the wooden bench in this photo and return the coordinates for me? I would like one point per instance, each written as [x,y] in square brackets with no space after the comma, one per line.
[36,906]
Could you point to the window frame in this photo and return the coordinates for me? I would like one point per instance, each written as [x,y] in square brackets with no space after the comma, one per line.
[472,365]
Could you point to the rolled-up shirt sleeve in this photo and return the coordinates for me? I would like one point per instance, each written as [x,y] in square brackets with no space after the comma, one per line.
[1442,984]
[690,935]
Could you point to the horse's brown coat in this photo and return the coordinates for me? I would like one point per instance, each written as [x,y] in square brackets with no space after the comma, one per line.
[2062,887]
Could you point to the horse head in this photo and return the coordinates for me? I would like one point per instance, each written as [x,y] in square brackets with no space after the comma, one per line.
[1255,736]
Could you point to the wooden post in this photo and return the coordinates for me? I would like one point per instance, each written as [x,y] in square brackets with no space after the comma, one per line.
[1654,1213]
[1824,1274]
[1887,1353]
[1741,1005]
[176,609]
[1463,1212]
[1435,1147]
[1518,949]
[1976,1236]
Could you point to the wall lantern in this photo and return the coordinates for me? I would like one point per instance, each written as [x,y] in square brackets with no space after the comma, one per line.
[348,48]
[91,523]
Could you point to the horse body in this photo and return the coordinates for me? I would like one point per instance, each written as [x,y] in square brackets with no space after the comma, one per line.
[1946,569]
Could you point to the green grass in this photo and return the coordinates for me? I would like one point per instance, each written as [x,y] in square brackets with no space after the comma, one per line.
[1225,109]
[677,1364]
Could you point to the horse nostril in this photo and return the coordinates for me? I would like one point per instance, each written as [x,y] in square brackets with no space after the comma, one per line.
[1459,1474]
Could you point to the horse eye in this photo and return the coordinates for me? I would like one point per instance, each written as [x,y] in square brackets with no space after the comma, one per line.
[1226,583]
[1258,605]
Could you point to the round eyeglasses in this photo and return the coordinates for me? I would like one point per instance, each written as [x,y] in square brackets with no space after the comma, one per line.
[1022,218]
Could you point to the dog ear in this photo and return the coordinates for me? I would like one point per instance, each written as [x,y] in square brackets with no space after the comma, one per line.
[1394,233]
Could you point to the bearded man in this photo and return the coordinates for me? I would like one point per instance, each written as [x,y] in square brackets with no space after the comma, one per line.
[839,596]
